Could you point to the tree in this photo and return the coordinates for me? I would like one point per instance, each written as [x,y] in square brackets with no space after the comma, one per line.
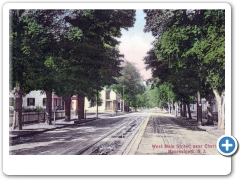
[81,48]
[23,62]
[210,50]
[51,48]
[44,48]
[129,84]
[189,48]
[95,56]
[17,63]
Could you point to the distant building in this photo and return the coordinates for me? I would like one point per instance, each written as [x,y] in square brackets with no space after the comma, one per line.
[110,102]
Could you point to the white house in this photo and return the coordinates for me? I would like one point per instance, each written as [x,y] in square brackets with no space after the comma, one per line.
[111,101]
[31,100]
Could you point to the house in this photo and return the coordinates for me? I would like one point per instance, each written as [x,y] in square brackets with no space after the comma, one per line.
[111,102]
[31,100]
[37,99]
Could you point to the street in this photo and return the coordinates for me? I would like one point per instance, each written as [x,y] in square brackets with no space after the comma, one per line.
[76,139]
[167,135]
[146,132]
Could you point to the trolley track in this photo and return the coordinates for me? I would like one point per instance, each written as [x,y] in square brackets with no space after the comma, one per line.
[102,136]
[117,141]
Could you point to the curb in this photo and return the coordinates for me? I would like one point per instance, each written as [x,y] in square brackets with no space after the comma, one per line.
[137,139]
[207,128]
[212,130]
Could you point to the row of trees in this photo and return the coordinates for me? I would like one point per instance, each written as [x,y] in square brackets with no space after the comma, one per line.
[130,86]
[68,52]
[188,56]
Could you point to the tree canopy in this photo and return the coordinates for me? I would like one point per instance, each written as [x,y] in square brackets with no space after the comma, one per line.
[188,52]
[66,51]
[129,85]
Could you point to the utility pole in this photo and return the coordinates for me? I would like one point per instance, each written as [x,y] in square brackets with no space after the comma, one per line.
[168,102]
[97,105]
[123,98]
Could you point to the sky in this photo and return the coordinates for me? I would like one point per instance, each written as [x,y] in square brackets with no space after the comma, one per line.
[135,44]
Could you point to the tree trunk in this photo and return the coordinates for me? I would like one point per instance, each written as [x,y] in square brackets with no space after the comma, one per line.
[181,111]
[81,101]
[199,109]
[209,114]
[168,108]
[127,108]
[176,109]
[49,107]
[17,121]
[184,109]
[221,108]
[97,105]
[67,100]
[189,111]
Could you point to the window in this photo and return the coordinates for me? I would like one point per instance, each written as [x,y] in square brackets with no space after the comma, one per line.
[44,101]
[108,105]
[11,100]
[30,101]
[108,94]
[59,103]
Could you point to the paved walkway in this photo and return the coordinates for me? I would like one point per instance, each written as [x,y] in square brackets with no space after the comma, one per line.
[213,129]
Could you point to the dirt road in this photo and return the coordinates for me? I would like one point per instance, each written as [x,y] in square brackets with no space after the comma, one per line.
[163,134]
[102,136]
[159,134]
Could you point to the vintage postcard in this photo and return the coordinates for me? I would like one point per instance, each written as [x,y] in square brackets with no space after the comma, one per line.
[148,84]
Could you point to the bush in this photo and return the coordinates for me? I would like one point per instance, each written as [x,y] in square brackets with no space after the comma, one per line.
[24,109]
[36,109]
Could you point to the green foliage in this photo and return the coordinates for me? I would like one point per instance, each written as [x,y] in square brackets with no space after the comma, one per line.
[189,50]
[129,85]
[36,109]
[94,97]
[66,51]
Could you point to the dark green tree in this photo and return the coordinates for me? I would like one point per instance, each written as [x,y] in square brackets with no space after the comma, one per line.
[189,51]
[129,84]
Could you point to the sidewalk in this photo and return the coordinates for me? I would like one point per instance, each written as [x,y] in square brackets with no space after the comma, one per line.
[213,129]
[36,128]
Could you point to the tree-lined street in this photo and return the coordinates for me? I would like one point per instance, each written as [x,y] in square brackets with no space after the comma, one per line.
[75,53]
